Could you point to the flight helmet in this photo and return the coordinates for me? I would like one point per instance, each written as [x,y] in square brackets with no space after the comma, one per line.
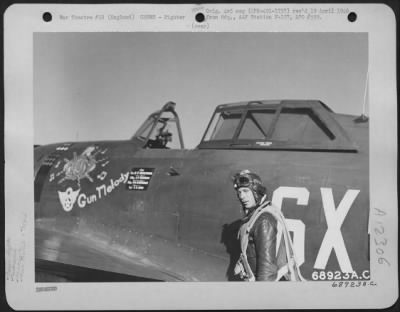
[246,178]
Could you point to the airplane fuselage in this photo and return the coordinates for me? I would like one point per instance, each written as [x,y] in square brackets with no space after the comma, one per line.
[172,214]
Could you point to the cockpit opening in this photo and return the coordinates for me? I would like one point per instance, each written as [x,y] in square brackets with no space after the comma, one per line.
[161,129]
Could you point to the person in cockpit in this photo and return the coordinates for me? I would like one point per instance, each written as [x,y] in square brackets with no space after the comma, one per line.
[161,140]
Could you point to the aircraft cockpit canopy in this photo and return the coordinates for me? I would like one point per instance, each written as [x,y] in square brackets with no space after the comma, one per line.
[161,129]
[282,125]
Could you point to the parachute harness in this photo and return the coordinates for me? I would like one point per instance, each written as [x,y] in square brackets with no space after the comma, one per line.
[291,268]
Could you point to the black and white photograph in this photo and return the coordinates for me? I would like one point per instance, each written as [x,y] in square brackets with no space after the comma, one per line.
[282,115]
[241,157]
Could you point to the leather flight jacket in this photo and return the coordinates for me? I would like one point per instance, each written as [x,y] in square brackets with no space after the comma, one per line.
[261,249]
[259,260]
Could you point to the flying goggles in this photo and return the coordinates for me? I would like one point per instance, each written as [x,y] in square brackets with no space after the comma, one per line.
[244,181]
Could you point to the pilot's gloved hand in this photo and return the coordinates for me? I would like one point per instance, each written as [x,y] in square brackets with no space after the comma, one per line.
[239,270]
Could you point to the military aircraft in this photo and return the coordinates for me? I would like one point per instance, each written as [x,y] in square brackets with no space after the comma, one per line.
[147,208]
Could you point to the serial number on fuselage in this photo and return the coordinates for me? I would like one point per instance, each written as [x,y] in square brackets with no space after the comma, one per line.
[339,275]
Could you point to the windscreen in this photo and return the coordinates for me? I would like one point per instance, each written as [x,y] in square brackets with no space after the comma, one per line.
[223,125]
[160,132]
[144,130]
[300,125]
[257,124]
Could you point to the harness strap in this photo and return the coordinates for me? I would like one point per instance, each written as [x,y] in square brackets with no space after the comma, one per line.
[291,266]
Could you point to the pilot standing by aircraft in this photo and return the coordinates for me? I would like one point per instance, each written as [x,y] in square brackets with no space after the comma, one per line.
[259,260]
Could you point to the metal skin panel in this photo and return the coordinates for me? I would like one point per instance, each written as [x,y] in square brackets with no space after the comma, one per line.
[184,226]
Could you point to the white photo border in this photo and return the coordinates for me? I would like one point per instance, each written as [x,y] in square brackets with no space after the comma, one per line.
[21,21]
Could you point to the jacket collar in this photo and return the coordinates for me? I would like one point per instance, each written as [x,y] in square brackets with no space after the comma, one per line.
[249,212]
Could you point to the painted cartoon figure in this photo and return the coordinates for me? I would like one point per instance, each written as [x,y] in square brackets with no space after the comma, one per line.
[80,167]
